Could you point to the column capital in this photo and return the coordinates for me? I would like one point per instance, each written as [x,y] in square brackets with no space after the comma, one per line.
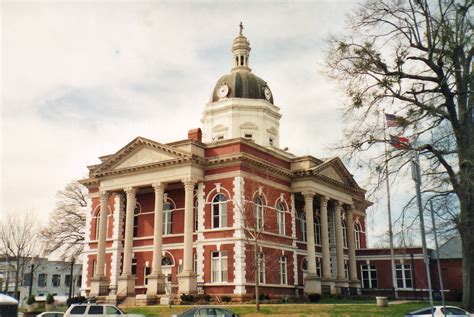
[338,204]
[324,199]
[189,183]
[158,186]
[130,191]
[308,194]
[104,195]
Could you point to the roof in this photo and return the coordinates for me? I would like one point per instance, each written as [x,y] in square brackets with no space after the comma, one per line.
[451,249]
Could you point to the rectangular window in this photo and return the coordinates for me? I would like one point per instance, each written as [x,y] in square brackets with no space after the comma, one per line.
[248,136]
[219,266]
[369,276]
[318,267]
[346,269]
[283,270]
[26,279]
[96,310]
[56,280]
[403,273]
[42,279]
[134,266]
[281,222]
[79,281]
[167,221]
[67,280]
[195,263]
[261,268]
[146,273]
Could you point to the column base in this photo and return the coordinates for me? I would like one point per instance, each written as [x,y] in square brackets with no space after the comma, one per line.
[354,283]
[98,286]
[312,284]
[328,282]
[111,299]
[187,283]
[341,283]
[156,284]
[125,286]
[145,300]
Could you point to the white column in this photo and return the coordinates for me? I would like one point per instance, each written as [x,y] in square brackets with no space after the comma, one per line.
[325,238]
[158,228]
[312,284]
[128,245]
[339,242]
[187,280]
[351,245]
[104,204]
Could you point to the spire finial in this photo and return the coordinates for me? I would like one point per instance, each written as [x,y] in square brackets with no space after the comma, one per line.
[241,26]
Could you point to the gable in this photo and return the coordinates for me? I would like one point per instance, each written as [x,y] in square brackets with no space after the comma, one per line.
[332,173]
[144,156]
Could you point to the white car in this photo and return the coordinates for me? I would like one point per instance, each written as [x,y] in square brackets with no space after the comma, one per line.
[440,311]
[96,310]
[51,314]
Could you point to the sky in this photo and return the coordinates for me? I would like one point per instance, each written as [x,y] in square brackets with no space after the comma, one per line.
[82,79]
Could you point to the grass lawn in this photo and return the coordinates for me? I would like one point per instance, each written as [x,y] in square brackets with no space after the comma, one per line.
[341,309]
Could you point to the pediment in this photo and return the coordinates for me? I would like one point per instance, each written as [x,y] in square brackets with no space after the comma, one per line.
[336,170]
[140,152]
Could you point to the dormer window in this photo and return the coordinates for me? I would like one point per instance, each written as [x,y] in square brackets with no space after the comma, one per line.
[248,136]
[270,141]
[220,137]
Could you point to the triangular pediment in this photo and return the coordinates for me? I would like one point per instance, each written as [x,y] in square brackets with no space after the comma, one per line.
[140,152]
[336,170]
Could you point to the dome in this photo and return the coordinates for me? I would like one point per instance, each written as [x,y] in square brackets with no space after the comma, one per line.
[242,84]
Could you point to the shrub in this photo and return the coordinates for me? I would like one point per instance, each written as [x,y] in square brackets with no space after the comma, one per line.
[314,298]
[49,299]
[31,300]
[187,298]
[226,299]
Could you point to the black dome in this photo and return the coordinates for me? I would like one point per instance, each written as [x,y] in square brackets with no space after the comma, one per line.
[242,84]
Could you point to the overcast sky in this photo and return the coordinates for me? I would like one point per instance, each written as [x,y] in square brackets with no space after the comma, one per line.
[81,80]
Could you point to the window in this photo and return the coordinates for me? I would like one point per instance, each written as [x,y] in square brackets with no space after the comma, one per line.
[270,141]
[346,269]
[281,218]
[403,273]
[369,276]
[94,267]
[166,261]
[79,280]
[111,310]
[318,267]
[67,280]
[135,221]
[134,266]
[259,213]
[261,268]
[304,265]
[56,280]
[219,266]
[42,278]
[317,231]
[344,233]
[97,225]
[196,216]
[26,279]
[167,218]
[195,262]
[357,231]
[303,226]
[283,270]
[146,273]
[78,310]
[219,211]
[248,136]
[96,310]
[220,137]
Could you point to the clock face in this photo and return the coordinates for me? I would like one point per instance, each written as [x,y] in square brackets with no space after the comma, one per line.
[267,93]
[222,91]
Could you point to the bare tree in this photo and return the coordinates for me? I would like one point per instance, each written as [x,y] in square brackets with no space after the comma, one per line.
[413,58]
[18,236]
[66,228]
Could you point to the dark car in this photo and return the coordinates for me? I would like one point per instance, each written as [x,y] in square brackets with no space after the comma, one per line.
[208,311]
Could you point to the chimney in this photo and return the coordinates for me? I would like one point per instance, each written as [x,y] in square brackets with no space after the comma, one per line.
[195,134]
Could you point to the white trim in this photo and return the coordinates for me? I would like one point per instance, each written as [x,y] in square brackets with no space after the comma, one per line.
[200,236]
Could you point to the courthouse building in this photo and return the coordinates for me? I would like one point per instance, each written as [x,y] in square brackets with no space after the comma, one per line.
[192,216]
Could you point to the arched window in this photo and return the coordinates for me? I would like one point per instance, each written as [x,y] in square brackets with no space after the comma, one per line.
[196,216]
[317,230]
[167,218]
[357,231]
[136,211]
[304,265]
[219,211]
[281,218]
[344,233]
[259,213]
[303,226]
[97,225]
[166,261]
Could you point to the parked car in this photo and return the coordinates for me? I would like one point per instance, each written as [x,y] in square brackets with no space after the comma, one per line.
[208,311]
[96,310]
[51,314]
[440,311]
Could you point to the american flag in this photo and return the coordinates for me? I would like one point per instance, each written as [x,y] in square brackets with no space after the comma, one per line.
[400,142]
[394,121]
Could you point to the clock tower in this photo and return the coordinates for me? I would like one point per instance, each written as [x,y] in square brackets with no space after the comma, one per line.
[241,104]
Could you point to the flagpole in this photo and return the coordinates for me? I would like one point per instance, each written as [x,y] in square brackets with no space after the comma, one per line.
[389,210]
[416,174]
